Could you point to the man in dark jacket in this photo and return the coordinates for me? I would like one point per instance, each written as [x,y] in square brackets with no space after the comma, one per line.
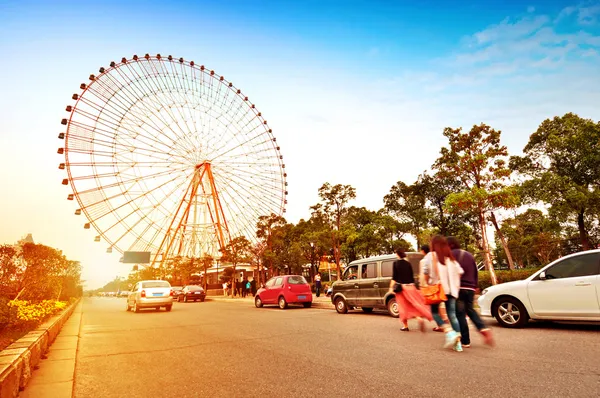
[468,285]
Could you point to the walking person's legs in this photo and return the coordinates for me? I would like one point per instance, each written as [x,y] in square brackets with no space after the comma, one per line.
[453,333]
[435,312]
[475,318]
[461,315]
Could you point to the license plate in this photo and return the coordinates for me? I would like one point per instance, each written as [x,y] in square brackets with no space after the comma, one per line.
[157,294]
[302,297]
[196,292]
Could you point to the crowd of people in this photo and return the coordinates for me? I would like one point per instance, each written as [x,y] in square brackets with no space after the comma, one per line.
[451,272]
[241,288]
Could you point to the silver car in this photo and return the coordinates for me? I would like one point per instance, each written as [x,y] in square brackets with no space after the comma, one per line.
[150,294]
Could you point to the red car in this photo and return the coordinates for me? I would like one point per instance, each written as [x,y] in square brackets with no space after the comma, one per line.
[284,290]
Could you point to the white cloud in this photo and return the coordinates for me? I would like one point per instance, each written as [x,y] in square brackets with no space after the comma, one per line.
[589,15]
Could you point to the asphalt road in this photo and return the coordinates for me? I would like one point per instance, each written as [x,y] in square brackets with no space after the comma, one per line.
[231,349]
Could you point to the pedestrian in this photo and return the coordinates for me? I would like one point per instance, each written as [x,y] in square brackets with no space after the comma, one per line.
[447,271]
[253,287]
[229,288]
[439,313]
[468,285]
[318,284]
[410,302]
[238,288]
[224,288]
[246,287]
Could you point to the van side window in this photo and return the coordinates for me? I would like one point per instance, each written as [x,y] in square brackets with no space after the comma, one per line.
[350,273]
[387,268]
[369,271]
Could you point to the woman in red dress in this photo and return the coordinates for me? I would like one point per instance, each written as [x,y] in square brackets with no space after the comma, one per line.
[410,302]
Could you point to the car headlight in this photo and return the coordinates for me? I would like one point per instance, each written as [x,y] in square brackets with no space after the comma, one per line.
[484,292]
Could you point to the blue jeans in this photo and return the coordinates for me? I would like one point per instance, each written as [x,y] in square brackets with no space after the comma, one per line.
[450,311]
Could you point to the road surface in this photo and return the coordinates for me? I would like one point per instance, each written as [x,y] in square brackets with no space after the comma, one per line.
[231,349]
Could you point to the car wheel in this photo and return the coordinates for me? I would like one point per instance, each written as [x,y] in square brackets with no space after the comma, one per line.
[169,307]
[258,302]
[135,307]
[392,307]
[282,303]
[127,307]
[368,310]
[185,299]
[340,305]
[510,312]
[307,305]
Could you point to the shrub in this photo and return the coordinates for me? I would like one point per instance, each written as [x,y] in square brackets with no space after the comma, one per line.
[504,276]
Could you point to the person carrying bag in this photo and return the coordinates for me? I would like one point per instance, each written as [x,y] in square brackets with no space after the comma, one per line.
[446,283]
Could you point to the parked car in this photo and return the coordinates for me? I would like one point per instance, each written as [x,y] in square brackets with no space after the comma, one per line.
[365,283]
[176,291]
[567,289]
[150,294]
[191,293]
[284,290]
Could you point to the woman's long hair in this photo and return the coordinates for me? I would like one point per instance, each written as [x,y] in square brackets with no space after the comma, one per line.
[440,246]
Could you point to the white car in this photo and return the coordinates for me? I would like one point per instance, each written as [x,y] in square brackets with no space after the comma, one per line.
[150,294]
[567,289]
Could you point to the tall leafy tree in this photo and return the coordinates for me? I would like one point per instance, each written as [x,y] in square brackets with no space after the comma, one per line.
[562,161]
[264,231]
[407,203]
[533,237]
[333,208]
[477,160]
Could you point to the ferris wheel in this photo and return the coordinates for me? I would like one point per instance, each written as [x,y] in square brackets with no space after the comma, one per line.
[168,157]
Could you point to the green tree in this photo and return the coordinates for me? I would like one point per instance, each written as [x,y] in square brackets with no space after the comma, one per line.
[8,270]
[264,231]
[476,159]
[38,276]
[407,203]
[333,208]
[562,163]
[534,238]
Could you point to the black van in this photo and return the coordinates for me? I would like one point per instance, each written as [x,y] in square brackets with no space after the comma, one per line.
[365,283]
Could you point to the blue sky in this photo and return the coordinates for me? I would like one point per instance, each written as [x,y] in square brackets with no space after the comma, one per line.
[357,92]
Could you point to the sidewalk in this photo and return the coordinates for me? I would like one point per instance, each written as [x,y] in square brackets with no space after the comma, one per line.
[321,302]
[54,378]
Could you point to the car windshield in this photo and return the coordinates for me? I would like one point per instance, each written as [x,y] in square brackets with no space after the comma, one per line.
[193,288]
[297,280]
[156,284]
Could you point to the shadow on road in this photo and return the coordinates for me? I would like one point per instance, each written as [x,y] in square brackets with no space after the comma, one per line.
[558,326]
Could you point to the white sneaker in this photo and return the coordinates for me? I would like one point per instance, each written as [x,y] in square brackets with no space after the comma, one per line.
[452,338]
[458,347]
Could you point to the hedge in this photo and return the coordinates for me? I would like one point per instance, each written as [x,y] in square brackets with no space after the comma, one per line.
[504,276]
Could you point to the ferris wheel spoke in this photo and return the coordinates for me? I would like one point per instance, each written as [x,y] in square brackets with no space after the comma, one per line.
[130,86]
[136,130]
[243,191]
[152,85]
[145,215]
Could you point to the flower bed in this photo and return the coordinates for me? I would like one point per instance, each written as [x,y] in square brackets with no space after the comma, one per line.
[17,317]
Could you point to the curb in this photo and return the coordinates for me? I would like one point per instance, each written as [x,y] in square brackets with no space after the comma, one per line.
[326,305]
[18,360]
